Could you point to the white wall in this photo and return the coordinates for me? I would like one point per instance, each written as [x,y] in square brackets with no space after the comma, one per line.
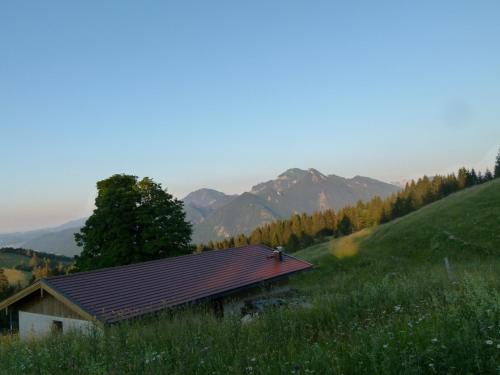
[37,325]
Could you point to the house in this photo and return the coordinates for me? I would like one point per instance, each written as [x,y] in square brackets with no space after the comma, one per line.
[106,296]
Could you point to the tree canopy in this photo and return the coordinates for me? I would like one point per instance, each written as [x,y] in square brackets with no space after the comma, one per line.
[134,220]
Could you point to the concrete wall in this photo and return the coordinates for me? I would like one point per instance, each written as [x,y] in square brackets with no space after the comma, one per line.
[37,325]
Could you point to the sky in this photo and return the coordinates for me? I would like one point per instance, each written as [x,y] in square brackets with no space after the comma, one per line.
[226,94]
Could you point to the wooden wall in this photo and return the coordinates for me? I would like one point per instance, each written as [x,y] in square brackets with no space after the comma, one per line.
[46,304]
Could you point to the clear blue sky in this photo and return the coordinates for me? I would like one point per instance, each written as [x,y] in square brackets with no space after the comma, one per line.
[227,94]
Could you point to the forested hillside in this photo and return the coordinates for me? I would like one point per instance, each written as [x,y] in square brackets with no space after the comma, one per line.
[303,230]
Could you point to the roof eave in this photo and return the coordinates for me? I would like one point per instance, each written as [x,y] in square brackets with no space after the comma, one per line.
[209,297]
[43,285]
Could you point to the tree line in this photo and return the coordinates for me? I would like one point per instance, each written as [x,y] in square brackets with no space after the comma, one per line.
[303,230]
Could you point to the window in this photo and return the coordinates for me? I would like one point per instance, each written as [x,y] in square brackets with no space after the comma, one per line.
[57,326]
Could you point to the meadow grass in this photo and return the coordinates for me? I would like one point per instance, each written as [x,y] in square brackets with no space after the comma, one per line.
[384,305]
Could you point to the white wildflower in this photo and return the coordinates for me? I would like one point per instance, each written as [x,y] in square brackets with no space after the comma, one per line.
[489,342]
[434,339]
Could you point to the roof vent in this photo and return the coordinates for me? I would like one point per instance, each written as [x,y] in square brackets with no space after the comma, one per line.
[278,253]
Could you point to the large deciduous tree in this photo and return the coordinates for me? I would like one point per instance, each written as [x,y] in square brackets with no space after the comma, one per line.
[133,221]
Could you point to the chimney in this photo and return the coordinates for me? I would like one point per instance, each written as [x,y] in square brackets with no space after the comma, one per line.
[278,253]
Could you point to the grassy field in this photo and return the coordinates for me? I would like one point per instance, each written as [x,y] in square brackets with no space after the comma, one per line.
[379,302]
[8,261]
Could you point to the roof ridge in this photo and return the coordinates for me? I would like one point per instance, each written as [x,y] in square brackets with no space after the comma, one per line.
[157,260]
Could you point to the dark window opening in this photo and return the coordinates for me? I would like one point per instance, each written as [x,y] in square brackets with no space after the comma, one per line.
[57,326]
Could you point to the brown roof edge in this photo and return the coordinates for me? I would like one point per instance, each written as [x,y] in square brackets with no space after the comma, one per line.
[20,295]
[176,257]
[70,303]
[42,285]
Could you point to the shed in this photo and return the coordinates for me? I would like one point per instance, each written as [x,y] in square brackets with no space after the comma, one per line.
[110,295]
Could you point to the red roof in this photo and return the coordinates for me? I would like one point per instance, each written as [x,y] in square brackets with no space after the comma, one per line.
[117,293]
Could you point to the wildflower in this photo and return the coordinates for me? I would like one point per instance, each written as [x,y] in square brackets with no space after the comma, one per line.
[434,340]
[489,342]
[498,346]
[385,346]
[252,359]
[431,364]
[397,308]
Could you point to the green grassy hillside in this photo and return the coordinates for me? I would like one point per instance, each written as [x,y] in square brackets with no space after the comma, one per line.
[463,227]
[378,302]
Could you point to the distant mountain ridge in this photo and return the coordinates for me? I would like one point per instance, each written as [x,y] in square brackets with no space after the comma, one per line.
[294,191]
[55,240]
[202,202]
[216,215]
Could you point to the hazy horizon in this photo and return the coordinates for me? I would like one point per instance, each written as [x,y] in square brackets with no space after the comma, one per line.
[226,95]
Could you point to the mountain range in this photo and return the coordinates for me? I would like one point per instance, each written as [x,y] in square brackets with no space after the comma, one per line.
[216,215]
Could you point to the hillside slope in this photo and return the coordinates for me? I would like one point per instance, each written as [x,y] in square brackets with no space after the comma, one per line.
[464,224]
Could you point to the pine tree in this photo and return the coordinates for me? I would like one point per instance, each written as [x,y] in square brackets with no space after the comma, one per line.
[306,240]
[256,237]
[497,166]
[293,244]
[345,226]
[488,176]
[462,177]
[275,242]
[241,240]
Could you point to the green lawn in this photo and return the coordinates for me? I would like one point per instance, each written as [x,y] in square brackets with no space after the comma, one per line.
[380,302]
